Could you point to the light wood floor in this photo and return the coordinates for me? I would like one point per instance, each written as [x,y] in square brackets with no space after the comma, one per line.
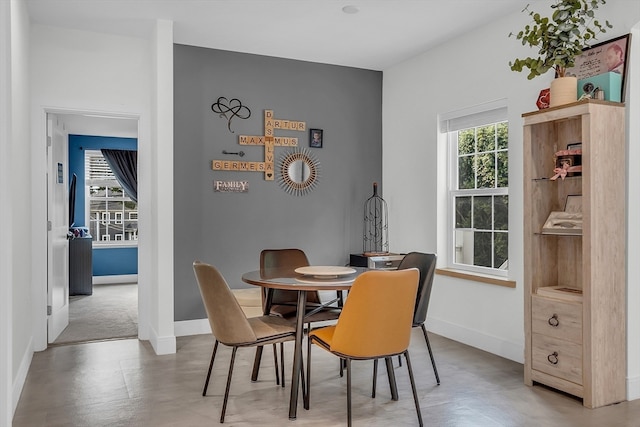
[123,383]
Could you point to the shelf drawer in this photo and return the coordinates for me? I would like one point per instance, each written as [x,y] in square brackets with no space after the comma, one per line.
[557,357]
[559,319]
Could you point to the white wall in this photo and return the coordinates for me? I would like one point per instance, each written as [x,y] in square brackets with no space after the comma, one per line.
[464,72]
[77,71]
[6,261]
[6,214]
[18,240]
[157,211]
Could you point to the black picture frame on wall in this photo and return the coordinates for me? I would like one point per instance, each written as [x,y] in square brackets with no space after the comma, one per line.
[316,138]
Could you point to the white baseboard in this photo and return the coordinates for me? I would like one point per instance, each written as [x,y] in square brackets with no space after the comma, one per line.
[162,345]
[185,328]
[497,346]
[109,280]
[633,388]
[21,375]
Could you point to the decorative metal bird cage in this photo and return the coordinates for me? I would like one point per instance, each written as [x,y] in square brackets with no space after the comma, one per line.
[375,240]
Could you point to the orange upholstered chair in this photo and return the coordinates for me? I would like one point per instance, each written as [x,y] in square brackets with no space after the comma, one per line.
[229,324]
[375,323]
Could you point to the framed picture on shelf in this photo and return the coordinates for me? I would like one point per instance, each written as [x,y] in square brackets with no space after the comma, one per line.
[568,221]
[606,57]
[315,138]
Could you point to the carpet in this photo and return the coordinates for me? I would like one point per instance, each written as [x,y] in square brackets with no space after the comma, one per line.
[111,312]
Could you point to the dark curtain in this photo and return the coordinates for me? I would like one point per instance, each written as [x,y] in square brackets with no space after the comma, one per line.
[124,164]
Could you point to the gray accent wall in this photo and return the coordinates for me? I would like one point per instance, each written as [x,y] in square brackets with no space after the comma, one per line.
[229,230]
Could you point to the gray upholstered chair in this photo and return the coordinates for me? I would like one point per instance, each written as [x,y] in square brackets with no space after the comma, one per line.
[426,264]
[231,327]
[284,302]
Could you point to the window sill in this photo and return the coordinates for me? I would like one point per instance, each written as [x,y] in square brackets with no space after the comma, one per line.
[476,277]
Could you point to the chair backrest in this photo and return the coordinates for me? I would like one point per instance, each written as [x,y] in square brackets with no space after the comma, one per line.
[228,322]
[376,317]
[426,263]
[286,260]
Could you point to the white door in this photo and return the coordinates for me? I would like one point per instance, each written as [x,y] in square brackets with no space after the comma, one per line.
[58,226]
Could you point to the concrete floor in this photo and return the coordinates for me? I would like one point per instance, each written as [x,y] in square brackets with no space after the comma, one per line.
[123,383]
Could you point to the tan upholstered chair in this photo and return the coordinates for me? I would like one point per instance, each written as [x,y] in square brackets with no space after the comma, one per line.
[375,323]
[231,327]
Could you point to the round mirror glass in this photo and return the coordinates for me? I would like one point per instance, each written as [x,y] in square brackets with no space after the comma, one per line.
[299,171]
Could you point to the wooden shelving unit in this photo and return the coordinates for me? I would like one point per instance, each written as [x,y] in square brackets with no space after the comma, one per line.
[575,285]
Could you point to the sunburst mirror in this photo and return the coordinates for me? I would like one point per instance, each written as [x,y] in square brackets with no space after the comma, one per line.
[298,171]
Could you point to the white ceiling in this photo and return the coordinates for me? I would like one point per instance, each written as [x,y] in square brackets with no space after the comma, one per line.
[381,34]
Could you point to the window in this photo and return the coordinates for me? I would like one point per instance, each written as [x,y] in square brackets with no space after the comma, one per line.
[478,190]
[113,216]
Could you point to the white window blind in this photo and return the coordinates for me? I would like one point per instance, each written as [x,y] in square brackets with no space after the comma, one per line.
[491,112]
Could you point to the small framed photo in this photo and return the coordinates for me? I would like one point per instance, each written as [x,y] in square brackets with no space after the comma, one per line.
[315,138]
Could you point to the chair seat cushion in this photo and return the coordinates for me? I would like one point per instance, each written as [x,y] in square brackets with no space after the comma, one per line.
[268,326]
[325,335]
[281,310]
[289,312]
[323,315]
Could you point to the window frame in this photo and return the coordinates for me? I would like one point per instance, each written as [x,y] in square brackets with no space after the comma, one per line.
[450,124]
[124,215]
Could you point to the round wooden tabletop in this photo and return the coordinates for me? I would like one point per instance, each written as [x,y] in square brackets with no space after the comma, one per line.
[290,280]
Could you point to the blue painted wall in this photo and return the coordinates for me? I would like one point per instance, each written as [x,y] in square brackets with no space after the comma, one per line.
[106,261]
[110,261]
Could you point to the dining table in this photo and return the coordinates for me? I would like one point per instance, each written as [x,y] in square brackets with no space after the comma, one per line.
[304,280]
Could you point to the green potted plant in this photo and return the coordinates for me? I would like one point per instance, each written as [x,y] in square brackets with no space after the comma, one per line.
[559,40]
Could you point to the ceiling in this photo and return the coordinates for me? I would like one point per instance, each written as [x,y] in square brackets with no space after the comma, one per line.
[380,34]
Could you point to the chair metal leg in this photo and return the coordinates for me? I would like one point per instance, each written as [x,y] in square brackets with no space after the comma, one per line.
[304,383]
[375,377]
[226,391]
[413,387]
[433,361]
[213,356]
[275,362]
[307,402]
[282,363]
[256,364]
[349,392]
[393,386]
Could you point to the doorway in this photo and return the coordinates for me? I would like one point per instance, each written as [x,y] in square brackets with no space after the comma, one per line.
[110,311]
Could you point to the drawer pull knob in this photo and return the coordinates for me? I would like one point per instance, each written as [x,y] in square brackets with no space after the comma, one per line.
[553,358]
[553,321]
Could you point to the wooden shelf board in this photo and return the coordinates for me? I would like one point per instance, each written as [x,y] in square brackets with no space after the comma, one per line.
[561,292]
